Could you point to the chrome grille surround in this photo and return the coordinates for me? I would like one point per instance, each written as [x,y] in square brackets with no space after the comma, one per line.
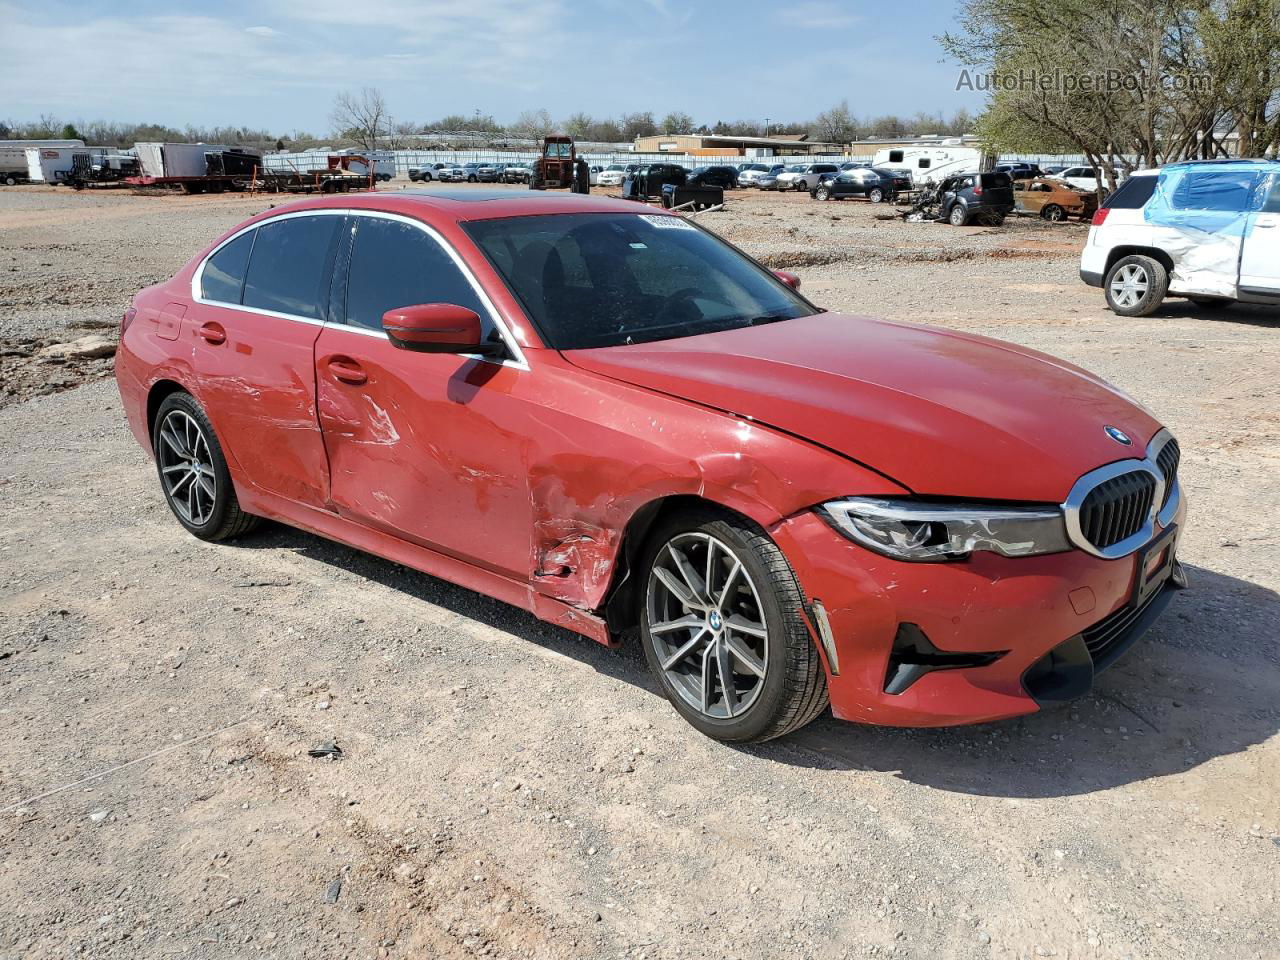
[1164,504]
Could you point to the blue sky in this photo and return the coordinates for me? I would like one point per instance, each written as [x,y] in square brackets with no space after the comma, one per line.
[278,63]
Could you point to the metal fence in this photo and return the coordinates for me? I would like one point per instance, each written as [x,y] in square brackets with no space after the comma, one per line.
[406,159]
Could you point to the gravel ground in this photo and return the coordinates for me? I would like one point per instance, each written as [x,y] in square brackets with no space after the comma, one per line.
[507,789]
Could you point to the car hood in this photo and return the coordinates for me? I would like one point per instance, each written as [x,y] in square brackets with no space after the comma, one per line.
[940,412]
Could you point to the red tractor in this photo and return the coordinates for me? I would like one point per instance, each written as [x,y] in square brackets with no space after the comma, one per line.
[560,167]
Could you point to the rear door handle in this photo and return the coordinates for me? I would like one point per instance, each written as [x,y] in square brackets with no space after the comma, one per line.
[347,370]
[212,332]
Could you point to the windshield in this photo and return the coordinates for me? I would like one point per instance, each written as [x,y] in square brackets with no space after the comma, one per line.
[797,168]
[614,166]
[608,279]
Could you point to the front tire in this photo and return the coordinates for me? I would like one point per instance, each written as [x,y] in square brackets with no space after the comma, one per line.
[193,471]
[733,655]
[822,193]
[1054,213]
[959,216]
[1135,286]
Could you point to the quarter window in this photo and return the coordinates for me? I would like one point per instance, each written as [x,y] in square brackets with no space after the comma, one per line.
[395,264]
[289,266]
[223,276]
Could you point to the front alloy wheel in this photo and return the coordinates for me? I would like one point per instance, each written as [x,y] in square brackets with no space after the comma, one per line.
[724,630]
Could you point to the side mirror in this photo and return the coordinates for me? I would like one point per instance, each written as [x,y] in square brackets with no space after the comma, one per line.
[790,279]
[436,328]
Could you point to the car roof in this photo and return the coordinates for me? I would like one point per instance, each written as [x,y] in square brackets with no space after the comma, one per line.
[461,203]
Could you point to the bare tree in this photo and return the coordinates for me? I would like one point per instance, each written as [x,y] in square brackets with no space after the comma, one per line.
[677,121]
[362,118]
[532,125]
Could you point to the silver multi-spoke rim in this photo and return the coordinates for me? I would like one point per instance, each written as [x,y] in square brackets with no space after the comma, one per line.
[186,467]
[707,625]
[1129,285]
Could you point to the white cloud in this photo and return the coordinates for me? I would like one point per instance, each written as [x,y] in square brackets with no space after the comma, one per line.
[817,15]
[262,31]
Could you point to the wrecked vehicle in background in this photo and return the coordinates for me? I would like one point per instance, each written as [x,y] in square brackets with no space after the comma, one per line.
[1207,230]
[604,414]
[1053,200]
[878,186]
[965,199]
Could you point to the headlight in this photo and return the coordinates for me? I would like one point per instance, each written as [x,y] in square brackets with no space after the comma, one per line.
[917,530]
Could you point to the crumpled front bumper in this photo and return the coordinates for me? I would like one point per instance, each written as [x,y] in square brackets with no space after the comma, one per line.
[986,622]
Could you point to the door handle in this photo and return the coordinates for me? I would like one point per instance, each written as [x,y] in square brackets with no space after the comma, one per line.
[212,333]
[347,370]
[1264,223]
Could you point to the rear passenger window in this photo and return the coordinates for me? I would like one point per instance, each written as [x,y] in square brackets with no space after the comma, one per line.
[1272,204]
[395,264]
[223,276]
[1133,194]
[288,269]
[1222,191]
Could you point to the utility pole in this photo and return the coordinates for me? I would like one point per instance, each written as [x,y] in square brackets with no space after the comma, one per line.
[766,126]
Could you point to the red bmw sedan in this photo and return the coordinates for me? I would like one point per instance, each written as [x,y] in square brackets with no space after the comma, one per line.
[610,417]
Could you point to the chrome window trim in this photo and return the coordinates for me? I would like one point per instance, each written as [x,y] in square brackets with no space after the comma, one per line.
[517,360]
[1086,484]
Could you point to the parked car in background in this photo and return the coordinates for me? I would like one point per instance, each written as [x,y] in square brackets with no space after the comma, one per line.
[804,176]
[427,173]
[1019,170]
[975,197]
[751,177]
[788,508]
[1053,168]
[750,168]
[854,165]
[1083,178]
[878,186]
[1205,230]
[452,173]
[1053,199]
[517,173]
[615,173]
[724,177]
[769,179]
[593,173]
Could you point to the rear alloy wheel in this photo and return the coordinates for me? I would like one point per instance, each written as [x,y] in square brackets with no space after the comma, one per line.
[876,195]
[193,471]
[724,630]
[1054,213]
[1136,285]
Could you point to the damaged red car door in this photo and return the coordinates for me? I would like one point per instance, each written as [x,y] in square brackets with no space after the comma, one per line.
[420,445]
[259,303]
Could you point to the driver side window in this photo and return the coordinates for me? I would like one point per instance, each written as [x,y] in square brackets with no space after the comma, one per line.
[396,264]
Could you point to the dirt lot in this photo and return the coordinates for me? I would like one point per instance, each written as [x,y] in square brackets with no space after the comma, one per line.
[511,790]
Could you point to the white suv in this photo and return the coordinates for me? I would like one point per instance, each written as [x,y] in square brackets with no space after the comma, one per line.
[804,176]
[1207,230]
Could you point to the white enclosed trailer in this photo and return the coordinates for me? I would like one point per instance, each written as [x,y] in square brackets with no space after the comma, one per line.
[929,164]
[14,166]
[54,164]
[182,159]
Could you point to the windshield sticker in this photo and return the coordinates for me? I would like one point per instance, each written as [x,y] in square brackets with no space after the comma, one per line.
[667,223]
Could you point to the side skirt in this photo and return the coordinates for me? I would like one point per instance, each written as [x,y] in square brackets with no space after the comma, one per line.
[352,534]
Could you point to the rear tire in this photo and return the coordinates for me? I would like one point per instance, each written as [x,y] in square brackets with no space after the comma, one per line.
[193,472]
[876,195]
[748,629]
[1135,286]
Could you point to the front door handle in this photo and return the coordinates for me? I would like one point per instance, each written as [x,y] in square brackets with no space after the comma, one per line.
[347,370]
[212,333]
